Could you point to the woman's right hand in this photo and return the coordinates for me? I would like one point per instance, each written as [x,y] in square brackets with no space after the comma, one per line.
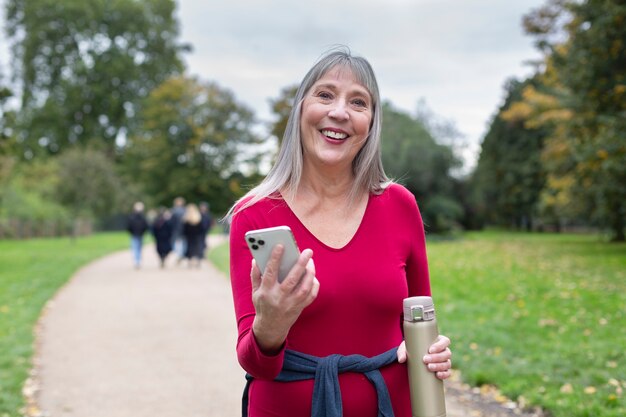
[278,305]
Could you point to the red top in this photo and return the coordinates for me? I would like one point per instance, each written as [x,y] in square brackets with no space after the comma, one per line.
[358,309]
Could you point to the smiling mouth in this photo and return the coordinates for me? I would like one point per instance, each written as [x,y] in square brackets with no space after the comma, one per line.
[334,135]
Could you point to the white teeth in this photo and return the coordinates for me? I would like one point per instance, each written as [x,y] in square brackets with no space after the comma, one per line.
[334,135]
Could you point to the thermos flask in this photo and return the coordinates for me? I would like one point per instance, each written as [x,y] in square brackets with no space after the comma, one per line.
[420,332]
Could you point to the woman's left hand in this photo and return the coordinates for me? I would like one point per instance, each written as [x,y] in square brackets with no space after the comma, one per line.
[438,359]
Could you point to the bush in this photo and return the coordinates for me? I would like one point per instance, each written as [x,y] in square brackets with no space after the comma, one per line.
[26,214]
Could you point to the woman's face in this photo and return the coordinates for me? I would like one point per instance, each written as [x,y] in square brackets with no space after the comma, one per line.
[335,120]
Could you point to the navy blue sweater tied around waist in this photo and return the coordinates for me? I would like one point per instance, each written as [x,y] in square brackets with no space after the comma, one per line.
[325,371]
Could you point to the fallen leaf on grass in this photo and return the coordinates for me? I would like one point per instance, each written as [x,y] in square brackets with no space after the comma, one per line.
[590,390]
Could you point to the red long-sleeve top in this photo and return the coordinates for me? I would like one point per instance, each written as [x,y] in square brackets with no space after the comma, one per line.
[358,309]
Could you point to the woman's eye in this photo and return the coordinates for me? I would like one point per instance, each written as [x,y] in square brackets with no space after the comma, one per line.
[324,95]
[359,102]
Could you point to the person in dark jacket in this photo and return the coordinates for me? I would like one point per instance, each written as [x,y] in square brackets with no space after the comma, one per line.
[179,245]
[193,231]
[137,226]
[162,232]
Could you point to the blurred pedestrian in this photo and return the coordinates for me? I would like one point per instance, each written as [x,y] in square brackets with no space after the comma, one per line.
[137,226]
[178,239]
[162,232]
[194,234]
[207,223]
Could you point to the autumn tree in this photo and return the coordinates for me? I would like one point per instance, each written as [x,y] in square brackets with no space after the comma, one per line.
[509,176]
[585,73]
[83,67]
[194,140]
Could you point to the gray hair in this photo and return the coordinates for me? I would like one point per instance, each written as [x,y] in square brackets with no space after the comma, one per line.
[367,165]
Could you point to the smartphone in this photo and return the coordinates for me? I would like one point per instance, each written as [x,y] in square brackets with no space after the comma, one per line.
[262,241]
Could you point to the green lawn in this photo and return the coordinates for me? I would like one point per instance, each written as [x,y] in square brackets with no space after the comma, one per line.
[31,272]
[541,316]
[220,257]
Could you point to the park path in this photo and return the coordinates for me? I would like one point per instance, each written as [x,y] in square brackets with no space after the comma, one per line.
[120,342]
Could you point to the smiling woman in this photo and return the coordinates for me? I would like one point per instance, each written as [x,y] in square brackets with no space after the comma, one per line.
[336,118]
[363,251]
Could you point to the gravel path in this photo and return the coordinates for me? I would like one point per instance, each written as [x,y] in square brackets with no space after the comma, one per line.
[120,342]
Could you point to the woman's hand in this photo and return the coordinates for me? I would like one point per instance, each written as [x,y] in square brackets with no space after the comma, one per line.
[278,305]
[438,359]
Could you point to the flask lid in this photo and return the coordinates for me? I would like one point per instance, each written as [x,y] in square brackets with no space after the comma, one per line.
[418,309]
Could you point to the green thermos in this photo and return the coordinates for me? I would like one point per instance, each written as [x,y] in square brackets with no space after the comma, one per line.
[420,332]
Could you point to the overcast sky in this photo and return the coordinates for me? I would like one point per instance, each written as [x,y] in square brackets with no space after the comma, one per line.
[454,54]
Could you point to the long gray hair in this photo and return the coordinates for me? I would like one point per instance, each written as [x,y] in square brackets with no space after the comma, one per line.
[367,165]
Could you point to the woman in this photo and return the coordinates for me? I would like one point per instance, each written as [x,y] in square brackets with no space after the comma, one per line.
[193,231]
[364,251]
[137,225]
[162,232]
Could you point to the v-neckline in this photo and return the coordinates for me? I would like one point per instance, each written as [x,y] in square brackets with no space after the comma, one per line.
[318,240]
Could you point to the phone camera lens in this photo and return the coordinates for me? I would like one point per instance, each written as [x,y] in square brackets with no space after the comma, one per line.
[255,247]
[251,239]
[261,242]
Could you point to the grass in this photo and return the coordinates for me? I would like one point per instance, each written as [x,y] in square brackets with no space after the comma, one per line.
[541,316]
[31,272]
[220,257]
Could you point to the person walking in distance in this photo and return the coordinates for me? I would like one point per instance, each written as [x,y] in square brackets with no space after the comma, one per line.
[193,232]
[137,226]
[207,224]
[178,239]
[162,232]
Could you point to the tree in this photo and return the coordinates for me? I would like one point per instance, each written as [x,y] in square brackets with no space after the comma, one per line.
[281,107]
[28,203]
[584,44]
[6,117]
[89,185]
[193,140]
[412,156]
[509,176]
[84,66]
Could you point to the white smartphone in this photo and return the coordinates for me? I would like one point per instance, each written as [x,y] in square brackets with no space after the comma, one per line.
[262,241]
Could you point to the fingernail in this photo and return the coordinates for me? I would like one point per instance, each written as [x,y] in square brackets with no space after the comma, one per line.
[427,358]
[431,366]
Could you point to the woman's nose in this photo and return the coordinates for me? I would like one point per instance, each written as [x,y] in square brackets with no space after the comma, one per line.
[339,111]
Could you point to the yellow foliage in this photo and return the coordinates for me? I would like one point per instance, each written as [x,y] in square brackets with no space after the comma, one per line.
[235,187]
[550,116]
[620,89]
[558,191]
[538,100]
[602,154]
[556,148]
[536,109]
[518,111]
